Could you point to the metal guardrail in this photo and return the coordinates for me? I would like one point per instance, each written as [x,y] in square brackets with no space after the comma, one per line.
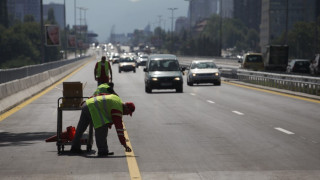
[229,69]
[7,75]
[304,84]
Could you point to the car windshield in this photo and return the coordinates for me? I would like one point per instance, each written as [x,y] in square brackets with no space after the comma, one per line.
[203,65]
[127,59]
[302,64]
[164,65]
[254,58]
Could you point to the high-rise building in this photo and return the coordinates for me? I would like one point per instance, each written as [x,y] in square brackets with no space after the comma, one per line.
[58,10]
[274,21]
[248,12]
[202,9]
[181,23]
[17,9]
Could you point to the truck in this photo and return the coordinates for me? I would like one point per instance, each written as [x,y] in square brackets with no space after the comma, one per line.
[276,57]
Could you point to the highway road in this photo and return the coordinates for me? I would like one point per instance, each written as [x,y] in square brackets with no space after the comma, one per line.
[206,132]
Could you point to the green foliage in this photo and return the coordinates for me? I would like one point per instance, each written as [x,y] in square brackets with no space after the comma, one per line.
[20,45]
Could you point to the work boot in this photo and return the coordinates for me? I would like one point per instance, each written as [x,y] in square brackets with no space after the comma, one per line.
[76,150]
[105,154]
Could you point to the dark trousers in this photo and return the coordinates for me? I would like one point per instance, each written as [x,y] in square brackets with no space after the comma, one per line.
[101,133]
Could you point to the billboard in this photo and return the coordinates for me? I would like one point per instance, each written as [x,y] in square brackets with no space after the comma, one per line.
[52,35]
[72,41]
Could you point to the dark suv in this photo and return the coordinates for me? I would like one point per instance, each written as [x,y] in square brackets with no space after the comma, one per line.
[163,72]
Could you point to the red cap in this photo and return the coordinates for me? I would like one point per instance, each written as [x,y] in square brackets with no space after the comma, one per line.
[131,107]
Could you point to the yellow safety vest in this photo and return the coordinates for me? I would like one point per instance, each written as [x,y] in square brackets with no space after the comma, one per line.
[106,69]
[100,108]
[103,88]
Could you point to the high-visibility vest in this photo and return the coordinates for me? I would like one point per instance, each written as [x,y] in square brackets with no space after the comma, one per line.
[106,69]
[102,88]
[100,109]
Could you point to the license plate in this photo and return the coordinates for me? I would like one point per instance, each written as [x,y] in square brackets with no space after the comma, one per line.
[166,84]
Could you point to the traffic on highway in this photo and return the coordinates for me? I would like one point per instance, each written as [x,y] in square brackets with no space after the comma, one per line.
[232,131]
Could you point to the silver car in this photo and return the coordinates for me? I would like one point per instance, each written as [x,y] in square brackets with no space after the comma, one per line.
[203,71]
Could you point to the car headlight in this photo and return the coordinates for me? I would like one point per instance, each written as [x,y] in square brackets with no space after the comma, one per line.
[194,74]
[177,79]
[120,65]
[154,79]
[216,74]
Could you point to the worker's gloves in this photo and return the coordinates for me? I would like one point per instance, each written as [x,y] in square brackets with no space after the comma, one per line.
[128,149]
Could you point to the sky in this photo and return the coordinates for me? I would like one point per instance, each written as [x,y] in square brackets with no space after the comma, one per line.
[124,15]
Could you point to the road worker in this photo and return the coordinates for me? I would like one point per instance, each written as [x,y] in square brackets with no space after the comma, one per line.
[102,70]
[105,88]
[102,111]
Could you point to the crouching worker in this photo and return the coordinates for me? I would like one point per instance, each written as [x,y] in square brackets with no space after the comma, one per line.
[102,111]
[105,88]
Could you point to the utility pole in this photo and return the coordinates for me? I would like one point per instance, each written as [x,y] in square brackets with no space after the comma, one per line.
[75,28]
[42,32]
[172,9]
[220,32]
[65,33]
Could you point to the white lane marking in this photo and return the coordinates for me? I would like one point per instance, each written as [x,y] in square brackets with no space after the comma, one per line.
[237,112]
[284,130]
[192,94]
[210,102]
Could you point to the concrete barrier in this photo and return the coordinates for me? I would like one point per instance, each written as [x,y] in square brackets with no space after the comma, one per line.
[17,91]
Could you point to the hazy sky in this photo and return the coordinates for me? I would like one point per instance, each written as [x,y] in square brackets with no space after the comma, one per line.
[125,15]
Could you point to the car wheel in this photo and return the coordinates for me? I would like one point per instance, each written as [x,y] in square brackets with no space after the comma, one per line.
[189,83]
[147,89]
[119,70]
[180,89]
[217,83]
[134,70]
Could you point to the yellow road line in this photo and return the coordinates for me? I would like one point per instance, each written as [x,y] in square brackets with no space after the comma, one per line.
[33,98]
[274,92]
[131,160]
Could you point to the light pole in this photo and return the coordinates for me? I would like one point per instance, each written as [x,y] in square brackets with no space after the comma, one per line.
[75,28]
[42,32]
[65,32]
[220,39]
[172,9]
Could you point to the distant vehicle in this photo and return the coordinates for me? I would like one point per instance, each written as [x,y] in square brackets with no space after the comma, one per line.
[127,64]
[203,71]
[115,58]
[315,65]
[142,60]
[299,66]
[163,71]
[252,61]
[276,57]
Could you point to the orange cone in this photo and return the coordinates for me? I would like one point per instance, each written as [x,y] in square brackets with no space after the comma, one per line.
[66,135]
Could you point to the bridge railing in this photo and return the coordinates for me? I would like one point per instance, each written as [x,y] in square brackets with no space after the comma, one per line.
[7,75]
[303,84]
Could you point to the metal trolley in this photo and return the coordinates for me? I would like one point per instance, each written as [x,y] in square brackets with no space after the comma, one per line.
[62,142]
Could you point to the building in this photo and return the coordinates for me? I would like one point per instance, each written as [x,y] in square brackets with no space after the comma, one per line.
[17,9]
[203,9]
[273,17]
[248,12]
[181,24]
[58,10]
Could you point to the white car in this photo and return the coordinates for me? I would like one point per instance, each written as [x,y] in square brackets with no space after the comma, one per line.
[203,71]
[127,64]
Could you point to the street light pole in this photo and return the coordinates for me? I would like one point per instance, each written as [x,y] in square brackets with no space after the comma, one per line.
[65,33]
[172,9]
[75,28]
[220,39]
[42,32]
